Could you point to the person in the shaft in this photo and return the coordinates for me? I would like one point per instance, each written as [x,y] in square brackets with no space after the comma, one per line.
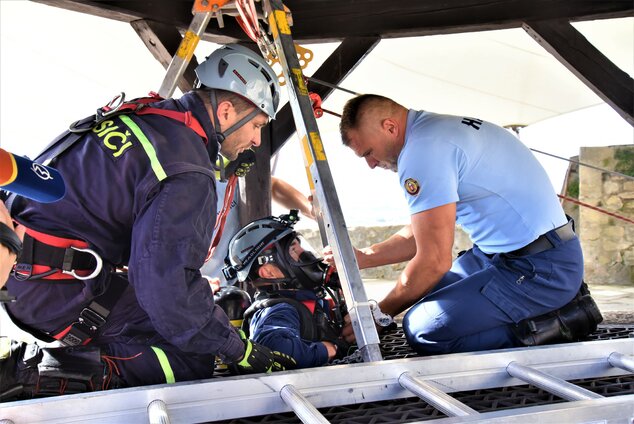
[141,194]
[298,304]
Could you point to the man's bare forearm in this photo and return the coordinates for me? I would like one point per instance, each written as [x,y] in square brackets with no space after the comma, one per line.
[399,247]
[416,280]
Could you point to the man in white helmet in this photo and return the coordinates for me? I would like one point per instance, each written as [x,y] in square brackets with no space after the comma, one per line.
[140,196]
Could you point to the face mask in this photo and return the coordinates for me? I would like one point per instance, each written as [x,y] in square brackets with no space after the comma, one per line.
[300,264]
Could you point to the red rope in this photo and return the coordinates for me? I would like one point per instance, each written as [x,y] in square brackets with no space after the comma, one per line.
[570,199]
[222,216]
[248,19]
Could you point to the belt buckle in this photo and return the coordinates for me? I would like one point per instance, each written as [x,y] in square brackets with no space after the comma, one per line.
[91,318]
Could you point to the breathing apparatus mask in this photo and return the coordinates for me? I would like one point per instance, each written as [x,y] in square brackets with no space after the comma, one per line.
[301,266]
[273,241]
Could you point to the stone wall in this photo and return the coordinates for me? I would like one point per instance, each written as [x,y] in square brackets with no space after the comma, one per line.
[608,243]
[361,237]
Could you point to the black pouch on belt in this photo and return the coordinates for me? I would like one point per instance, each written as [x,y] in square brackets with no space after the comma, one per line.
[573,322]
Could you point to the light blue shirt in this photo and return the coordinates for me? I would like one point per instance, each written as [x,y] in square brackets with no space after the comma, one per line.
[504,199]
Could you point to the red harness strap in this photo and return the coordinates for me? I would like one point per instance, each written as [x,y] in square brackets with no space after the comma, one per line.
[310,304]
[49,240]
[139,107]
[186,118]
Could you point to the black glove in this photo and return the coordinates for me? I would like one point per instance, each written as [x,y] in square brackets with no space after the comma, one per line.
[343,347]
[258,359]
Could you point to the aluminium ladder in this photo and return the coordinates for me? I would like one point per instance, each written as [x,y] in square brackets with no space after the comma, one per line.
[303,391]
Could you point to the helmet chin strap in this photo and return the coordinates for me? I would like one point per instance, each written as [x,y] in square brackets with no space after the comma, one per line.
[222,135]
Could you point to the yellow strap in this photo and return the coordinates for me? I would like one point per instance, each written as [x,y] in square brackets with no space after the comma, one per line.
[165,365]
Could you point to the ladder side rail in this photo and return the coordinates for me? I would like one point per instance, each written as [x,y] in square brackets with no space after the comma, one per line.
[435,397]
[304,410]
[184,53]
[224,398]
[607,410]
[329,214]
[551,384]
[625,362]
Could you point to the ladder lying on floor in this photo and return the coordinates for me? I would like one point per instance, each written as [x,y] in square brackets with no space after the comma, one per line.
[303,391]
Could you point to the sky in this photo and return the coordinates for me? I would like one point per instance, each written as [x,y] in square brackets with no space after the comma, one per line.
[57,66]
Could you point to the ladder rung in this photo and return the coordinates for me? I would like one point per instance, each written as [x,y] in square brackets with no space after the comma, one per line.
[434,396]
[618,360]
[302,407]
[157,412]
[554,385]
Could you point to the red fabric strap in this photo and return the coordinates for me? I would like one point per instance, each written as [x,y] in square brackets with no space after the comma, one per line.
[61,334]
[56,242]
[186,118]
[310,304]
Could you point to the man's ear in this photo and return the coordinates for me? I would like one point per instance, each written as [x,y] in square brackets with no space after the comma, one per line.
[223,112]
[268,271]
[390,126]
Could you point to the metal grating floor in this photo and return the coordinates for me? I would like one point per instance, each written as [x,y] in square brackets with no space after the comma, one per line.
[393,346]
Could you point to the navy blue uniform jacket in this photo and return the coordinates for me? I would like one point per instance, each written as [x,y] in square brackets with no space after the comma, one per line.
[160,227]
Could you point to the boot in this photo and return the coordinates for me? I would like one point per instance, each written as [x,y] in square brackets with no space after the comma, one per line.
[574,322]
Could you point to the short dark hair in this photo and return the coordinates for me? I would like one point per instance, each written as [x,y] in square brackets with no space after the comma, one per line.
[354,110]
[239,103]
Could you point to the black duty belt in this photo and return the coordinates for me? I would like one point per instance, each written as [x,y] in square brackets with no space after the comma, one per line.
[565,233]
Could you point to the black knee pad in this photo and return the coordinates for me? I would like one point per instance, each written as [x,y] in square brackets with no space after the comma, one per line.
[573,322]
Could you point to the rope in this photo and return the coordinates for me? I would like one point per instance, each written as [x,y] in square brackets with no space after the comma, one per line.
[570,199]
[629,177]
[222,216]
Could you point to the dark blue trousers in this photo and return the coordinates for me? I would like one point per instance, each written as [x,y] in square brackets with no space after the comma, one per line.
[475,304]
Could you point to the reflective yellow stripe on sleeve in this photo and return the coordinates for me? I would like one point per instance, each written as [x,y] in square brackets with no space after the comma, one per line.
[165,365]
[147,146]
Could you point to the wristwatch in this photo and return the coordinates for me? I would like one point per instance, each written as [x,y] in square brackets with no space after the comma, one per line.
[380,318]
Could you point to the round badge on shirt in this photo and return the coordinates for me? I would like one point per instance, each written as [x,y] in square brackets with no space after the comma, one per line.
[412,186]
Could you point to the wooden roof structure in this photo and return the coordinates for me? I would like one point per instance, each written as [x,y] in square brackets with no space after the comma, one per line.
[360,25]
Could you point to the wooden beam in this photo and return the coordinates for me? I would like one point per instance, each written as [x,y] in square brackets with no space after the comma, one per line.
[163,41]
[170,12]
[329,20]
[332,20]
[334,70]
[255,187]
[584,60]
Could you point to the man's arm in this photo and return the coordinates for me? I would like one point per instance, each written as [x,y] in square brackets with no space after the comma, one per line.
[433,232]
[7,257]
[289,197]
[399,247]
